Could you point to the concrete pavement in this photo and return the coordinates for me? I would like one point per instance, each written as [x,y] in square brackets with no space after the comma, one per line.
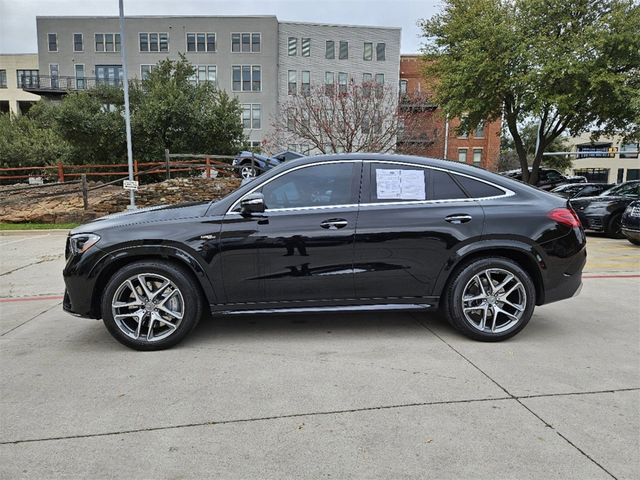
[388,395]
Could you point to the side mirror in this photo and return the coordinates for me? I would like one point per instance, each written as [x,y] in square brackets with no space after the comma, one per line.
[252,203]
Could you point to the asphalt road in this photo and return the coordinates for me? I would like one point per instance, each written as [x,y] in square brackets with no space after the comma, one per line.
[389,395]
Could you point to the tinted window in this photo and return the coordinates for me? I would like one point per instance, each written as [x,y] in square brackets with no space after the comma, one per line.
[477,189]
[443,187]
[397,183]
[316,186]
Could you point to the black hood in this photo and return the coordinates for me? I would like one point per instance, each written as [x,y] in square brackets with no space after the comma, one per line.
[157,213]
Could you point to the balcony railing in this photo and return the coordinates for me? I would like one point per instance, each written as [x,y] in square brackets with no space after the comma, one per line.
[414,138]
[60,84]
[416,103]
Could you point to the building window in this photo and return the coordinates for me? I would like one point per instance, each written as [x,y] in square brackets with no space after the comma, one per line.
[292,83]
[251,116]
[199,42]
[54,70]
[629,147]
[462,155]
[246,78]
[78,42]
[80,80]
[52,39]
[293,46]
[245,42]
[107,42]
[3,79]
[367,80]
[154,42]
[480,130]
[379,84]
[381,51]
[329,83]
[368,51]
[28,78]
[306,47]
[306,83]
[342,83]
[477,156]
[330,50]
[109,75]
[204,73]
[344,50]
[145,70]
[403,87]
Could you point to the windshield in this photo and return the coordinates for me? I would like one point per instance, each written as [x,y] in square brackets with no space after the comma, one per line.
[623,190]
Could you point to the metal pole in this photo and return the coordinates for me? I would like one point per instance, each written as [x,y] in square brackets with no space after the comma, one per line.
[127,118]
[446,137]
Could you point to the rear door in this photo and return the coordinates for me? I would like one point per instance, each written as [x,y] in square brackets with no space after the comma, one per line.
[412,219]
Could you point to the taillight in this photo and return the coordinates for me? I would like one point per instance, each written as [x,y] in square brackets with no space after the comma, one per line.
[565,216]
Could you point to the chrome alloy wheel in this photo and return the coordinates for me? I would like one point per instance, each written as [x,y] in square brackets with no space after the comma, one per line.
[147,306]
[494,300]
[247,171]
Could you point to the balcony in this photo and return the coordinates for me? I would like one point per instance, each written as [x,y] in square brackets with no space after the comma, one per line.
[416,103]
[413,138]
[57,86]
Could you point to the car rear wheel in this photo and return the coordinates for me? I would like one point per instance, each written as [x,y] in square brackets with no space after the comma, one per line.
[151,305]
[490,299]
[248,171]
[614,229]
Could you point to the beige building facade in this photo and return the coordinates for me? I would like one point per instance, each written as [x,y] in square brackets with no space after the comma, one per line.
[12,67]
[607,160]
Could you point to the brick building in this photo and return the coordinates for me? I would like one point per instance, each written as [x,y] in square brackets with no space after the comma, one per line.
[431,135]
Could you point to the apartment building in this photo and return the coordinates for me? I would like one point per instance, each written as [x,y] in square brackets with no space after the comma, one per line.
[255,58]
[319,54]
[14,67]
[606,160]
[437,136]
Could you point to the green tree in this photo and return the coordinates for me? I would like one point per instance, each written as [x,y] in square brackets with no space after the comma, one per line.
[170,111]
[509,156]
[567,65]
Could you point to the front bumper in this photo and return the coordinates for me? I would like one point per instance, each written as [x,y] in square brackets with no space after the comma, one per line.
[632,234]
[80,280]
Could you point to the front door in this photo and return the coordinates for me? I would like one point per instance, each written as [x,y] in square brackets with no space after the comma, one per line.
[300,250]
[411,220]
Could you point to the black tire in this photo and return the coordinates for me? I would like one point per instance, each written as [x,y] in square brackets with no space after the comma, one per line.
[247,167]
[453,305]
[614,229]
[190,301]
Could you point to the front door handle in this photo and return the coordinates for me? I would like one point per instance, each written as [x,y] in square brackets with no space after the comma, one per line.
[458,219]
[334,223]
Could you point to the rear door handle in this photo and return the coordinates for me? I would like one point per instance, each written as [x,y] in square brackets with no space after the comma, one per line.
[458,219]
[334,223]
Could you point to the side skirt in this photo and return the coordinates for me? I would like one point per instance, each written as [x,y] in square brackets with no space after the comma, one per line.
[321,309]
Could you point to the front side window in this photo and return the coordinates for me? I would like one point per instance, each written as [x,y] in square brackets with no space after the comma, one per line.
[314,186]
[397,183]
[53,42]
[78,42]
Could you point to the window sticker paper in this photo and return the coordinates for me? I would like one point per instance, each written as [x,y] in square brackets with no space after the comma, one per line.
[397,184]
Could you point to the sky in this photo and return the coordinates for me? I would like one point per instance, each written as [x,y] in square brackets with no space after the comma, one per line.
[18,17]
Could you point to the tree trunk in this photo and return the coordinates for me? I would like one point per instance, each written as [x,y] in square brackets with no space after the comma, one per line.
[512,125]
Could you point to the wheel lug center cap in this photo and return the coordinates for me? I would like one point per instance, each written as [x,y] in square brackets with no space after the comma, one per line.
[150,306]
[491,299]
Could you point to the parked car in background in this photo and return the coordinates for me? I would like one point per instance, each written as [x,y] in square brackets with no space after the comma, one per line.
[577,190]
[603,213]
[548,178]
[251,164]
[631,222]
[349,232]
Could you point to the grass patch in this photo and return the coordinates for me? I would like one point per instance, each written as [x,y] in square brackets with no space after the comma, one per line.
[37,226]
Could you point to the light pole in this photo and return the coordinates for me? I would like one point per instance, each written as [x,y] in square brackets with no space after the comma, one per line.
[127,118]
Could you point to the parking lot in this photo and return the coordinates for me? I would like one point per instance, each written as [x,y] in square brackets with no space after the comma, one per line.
[385,395]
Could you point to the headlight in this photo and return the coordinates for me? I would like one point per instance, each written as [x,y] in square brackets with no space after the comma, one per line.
[81,242]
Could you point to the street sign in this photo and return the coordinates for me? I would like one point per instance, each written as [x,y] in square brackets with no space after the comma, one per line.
[130,185]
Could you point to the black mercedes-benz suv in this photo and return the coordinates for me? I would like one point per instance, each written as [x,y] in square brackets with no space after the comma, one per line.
[327,233]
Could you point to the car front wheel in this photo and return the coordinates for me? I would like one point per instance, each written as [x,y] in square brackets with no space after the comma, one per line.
[490,299]
[248,171]
[151,305]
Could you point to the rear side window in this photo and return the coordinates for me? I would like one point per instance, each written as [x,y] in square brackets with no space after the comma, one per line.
[477,189]
[443,187]
[398,183]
